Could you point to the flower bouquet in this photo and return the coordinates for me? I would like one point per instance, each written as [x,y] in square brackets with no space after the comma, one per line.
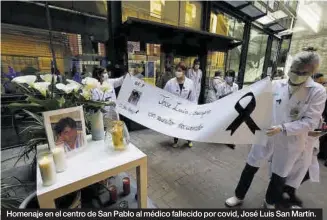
[45,95]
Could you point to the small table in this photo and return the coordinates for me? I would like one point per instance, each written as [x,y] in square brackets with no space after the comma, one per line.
[91,165]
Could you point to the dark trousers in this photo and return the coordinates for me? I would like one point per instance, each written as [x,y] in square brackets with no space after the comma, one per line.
[176,140]
[274,191]
[323,148]
[291,190]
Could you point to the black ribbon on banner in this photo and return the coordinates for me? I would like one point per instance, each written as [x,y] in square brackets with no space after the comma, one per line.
[244,115]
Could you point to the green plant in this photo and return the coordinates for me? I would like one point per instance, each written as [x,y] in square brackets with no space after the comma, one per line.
[10,198]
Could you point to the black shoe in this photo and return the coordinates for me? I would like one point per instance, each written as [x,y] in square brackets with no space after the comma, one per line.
[325,163]
[232,146]
[294,200]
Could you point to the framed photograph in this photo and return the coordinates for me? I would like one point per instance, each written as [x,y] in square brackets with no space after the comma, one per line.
[66,128]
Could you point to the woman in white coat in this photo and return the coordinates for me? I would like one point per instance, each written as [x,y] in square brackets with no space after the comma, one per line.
[183,87]
[195,74]
[102,76]
[297,107]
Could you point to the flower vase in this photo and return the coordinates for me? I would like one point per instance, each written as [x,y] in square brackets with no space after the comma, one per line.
[97,127]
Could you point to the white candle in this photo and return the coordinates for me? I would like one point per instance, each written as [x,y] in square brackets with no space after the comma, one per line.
[59,158]
[47,170]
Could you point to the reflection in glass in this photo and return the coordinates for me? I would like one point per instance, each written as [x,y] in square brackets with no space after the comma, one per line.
[177,13]
[256,56]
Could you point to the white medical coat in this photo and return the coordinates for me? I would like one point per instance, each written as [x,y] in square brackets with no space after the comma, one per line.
[196,77]
[213,88]
[188,91]
[284,149]
[224,89]
[308,161]
[110,95]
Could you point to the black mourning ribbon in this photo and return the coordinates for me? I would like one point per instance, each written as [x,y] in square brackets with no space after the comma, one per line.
[244,115]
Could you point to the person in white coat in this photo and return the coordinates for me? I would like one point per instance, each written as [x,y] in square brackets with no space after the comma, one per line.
[297,107]
[97,94]
[195,74]
[305,168]
[213,87]
[183,87]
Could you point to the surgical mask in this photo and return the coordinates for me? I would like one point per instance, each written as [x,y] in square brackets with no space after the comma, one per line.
[196,67]
[105,76]
[178,74]
[229,79]
[296,79]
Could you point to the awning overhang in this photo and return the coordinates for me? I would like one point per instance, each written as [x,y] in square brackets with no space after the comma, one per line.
[180,38]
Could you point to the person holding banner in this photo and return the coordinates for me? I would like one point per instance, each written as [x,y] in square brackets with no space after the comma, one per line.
[297,108]
[195,74]
[183,87]
[102,76]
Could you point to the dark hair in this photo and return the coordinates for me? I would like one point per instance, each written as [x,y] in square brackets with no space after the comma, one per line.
[97,71]
[218,73]
[317,75]
[196,61]
[63,123]
[230,73]
[181,65]
[110,67]
[309,49]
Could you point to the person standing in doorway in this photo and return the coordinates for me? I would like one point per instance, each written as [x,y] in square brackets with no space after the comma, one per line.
[195,74]
[165,77]
[297,107]
[182,87]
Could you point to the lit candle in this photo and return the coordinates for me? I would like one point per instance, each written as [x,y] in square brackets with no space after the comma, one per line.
[59,158]
[47,170]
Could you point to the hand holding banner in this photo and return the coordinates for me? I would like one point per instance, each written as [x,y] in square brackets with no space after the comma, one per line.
[240,118]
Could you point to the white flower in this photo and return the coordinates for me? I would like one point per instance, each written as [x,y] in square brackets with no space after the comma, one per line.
[67,89]
[48,77]
[105,86]
[30,79]
[86,94]
[76,86]
[42,87]
[90,83]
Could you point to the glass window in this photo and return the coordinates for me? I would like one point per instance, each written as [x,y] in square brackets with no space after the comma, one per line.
[256,56]
[192,12]
[178,13]
[223,24]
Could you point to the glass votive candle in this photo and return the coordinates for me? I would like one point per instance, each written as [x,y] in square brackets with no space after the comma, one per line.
[113,193]
[47,168]
[126,186]
[59,158]
[119,135]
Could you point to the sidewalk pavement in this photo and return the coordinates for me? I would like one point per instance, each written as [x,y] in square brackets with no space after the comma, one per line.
[206,175]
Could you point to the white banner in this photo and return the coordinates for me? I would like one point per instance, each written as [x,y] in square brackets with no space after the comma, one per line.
[240,118]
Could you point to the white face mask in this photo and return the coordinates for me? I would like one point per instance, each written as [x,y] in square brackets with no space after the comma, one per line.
[178,74]
[105,76]
[229,79]
[296,79]
[196,67]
